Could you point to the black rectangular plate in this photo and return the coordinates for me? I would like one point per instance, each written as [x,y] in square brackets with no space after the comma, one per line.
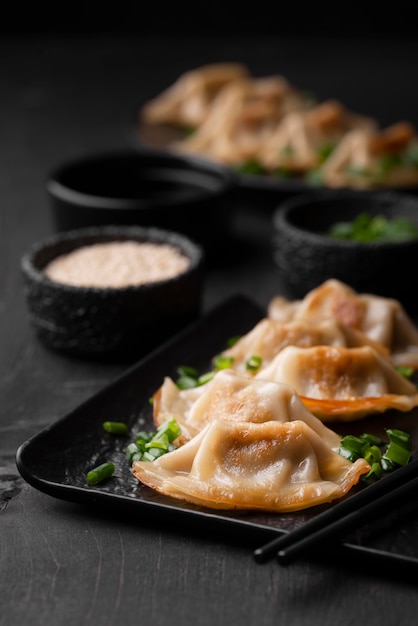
[56,460]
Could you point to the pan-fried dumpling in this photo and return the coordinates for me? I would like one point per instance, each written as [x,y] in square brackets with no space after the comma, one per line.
[383,320]
[367,158]
[303,139]
[267,338]
[338,383]
[241,117]
[187,101]
[231,396]
[271,466]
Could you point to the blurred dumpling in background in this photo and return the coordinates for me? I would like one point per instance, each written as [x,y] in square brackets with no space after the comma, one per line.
[268,126]
[186,102]
[374,158]
[242,117]
[304,139]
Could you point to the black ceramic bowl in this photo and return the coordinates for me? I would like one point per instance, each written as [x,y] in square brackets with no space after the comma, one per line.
[306,255]
[120,323]
[146,188]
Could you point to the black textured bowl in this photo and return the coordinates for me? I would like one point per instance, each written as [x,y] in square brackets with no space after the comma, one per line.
[110,323]
[306,256]
[146,188]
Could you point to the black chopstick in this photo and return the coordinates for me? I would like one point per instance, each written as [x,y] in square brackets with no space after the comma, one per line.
[342,517]
[313,542]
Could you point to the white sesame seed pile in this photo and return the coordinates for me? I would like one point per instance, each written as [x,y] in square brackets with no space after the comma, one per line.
[117,264]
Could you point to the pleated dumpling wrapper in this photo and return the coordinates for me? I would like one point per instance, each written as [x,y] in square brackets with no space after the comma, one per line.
[232,396]
[269,336]
[383,320]
[240,118]
[269,466]
[187,102]
[342,384]
[357,160]
[297,143]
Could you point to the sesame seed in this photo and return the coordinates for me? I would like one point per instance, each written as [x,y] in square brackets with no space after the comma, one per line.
[117,264]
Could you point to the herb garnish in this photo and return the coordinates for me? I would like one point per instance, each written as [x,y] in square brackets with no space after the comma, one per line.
[100,473]
[116,428]
[383,457]
[148,446]
[366,228]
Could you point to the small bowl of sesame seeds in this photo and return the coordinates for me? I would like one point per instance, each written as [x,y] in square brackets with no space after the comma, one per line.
[112,292]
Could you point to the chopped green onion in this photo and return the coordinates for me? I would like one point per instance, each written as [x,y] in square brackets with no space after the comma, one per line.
[314,178]
[116,428]
[406,372]
[397,454]
[187,371]
[388,162]
[189,378]
[373,455]
[250,167]
[400,437]
[410,156]
[151,455]
[205,378]
[100,473]
[170,428]
[354,170]
[366,228]
[149,446]
[131,451]
[347,454]
[143,436]
[375,472]
[221,362]
[288,151]
[373,440]
[353,448]
[398,451]
[189,130]
[253,363]
[387,464]
[324,151]
[161,443]
[187,382]
[283,172]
